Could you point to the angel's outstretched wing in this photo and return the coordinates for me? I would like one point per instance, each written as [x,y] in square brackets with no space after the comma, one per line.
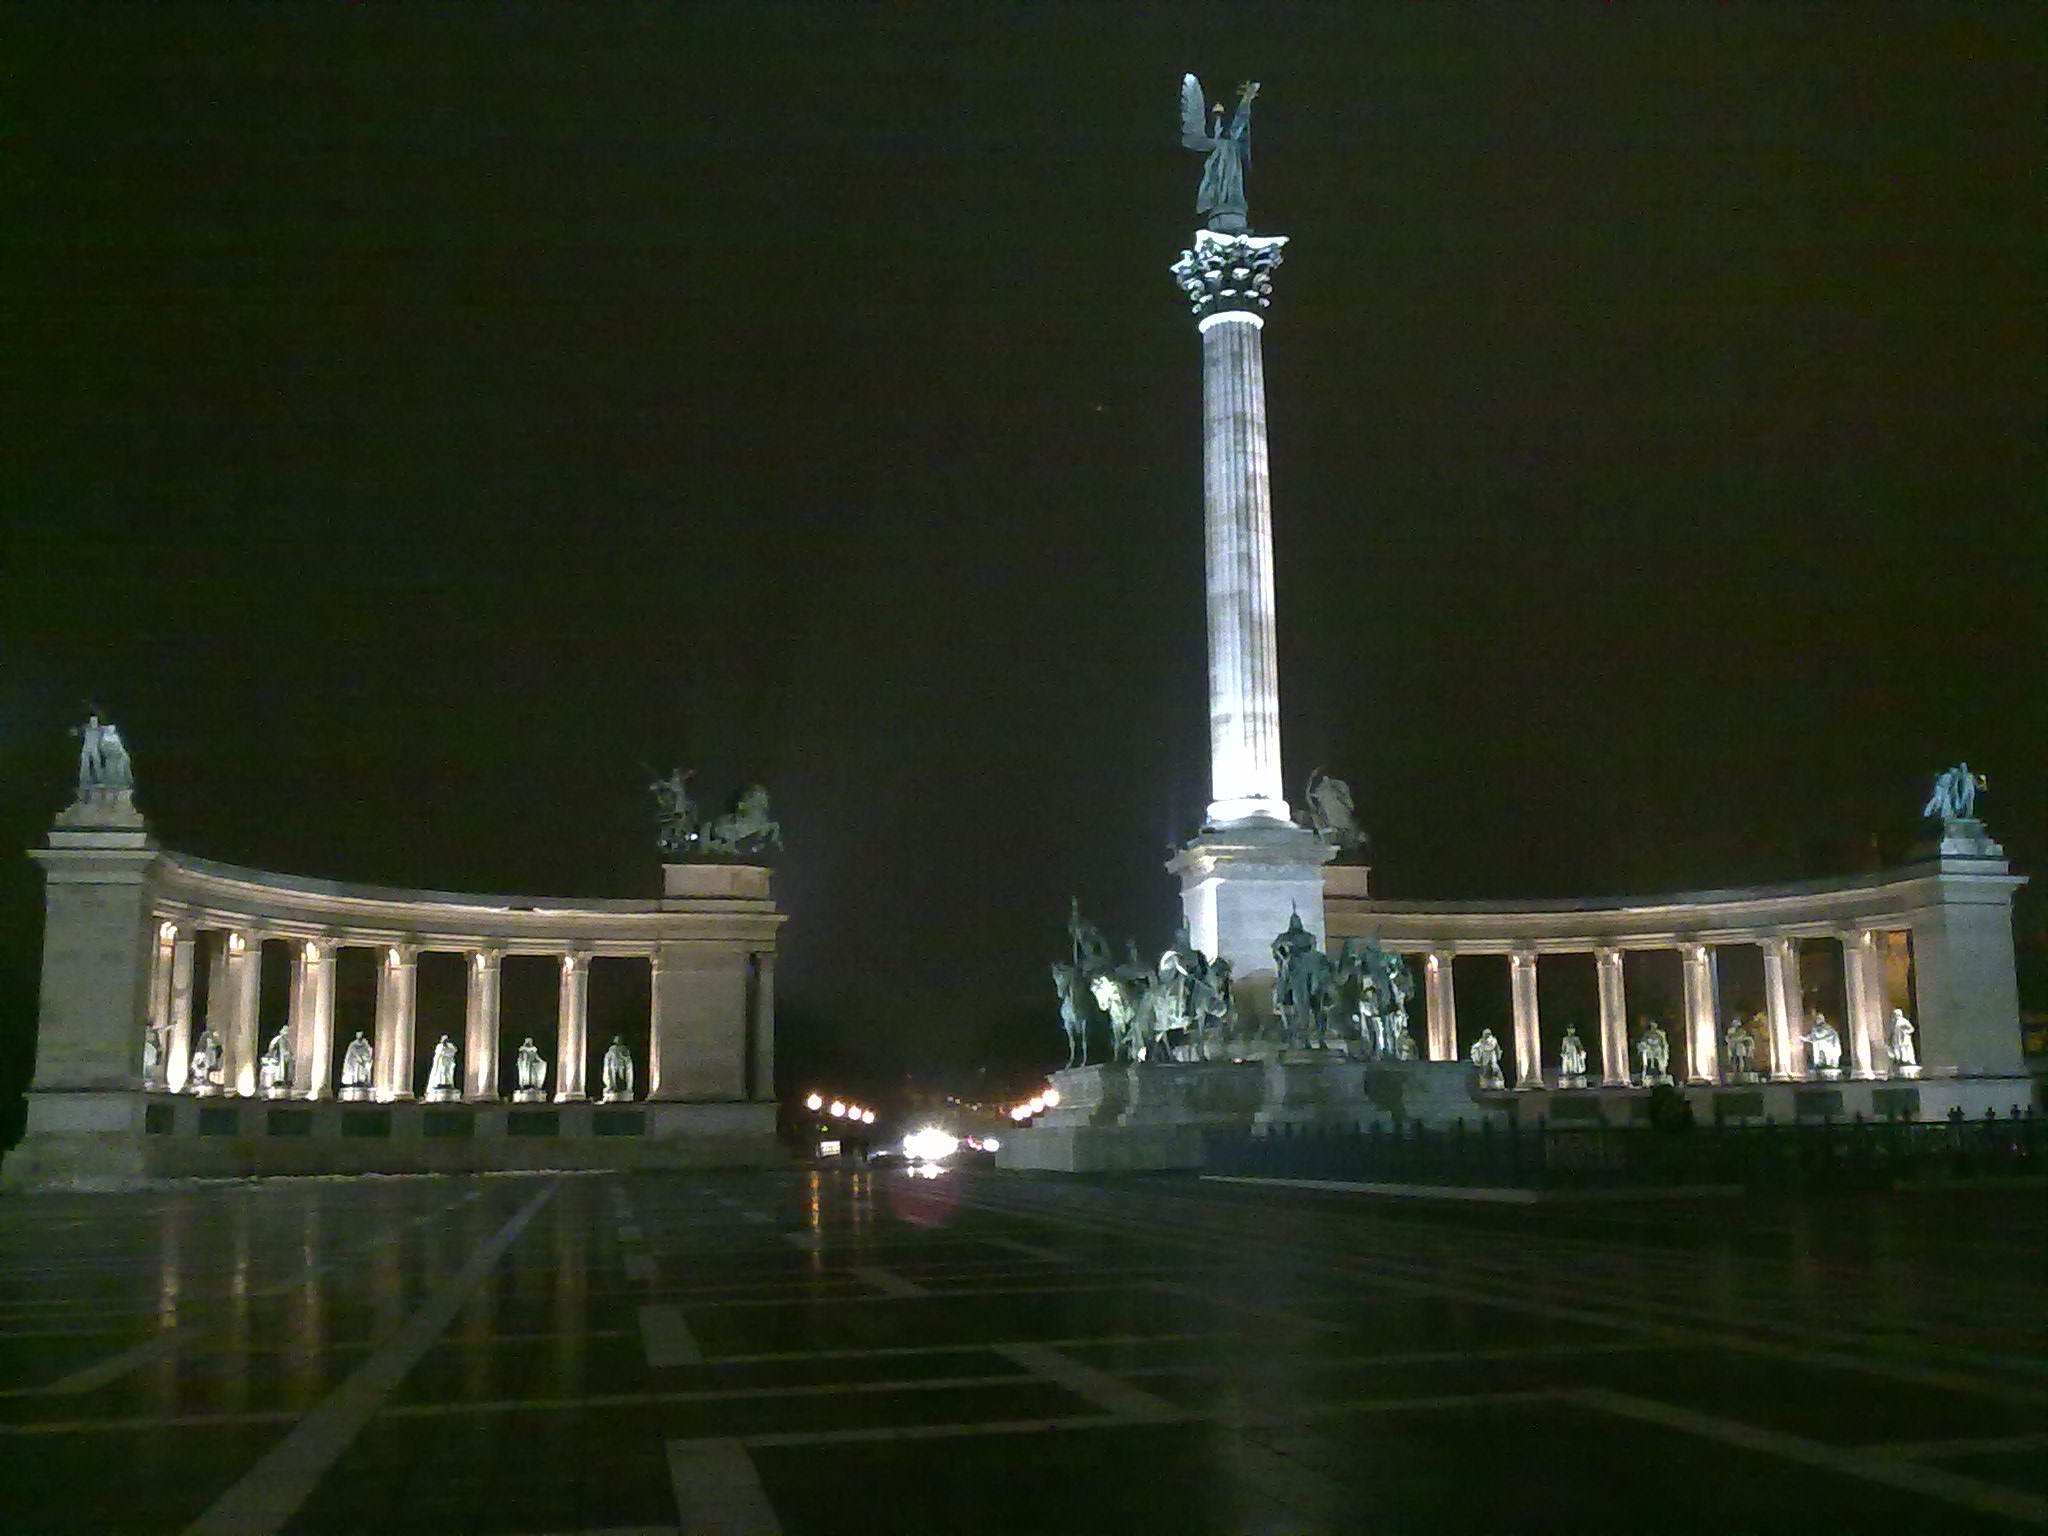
[1194,127]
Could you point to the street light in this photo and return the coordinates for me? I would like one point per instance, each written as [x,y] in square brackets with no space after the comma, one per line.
[838,1109]
[1052,1098]
[814,1103]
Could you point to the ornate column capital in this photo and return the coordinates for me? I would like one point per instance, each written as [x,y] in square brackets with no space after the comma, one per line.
[1228,274]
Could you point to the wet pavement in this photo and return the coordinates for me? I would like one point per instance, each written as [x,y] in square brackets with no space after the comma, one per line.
[983,1352]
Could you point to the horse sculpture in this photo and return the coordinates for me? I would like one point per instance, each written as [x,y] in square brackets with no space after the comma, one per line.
[747,828]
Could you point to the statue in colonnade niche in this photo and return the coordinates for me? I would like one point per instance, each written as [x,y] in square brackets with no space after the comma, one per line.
[1898,1045]
[441,1073]
[358,1062]
[1486,1056]
[1653,1050]
[1741,1048]
[152,1055]
[618,1073]
[1955,795]
[274,1071]
[1825,1045]
[1571,1059]
[531,1069]
[204,1074]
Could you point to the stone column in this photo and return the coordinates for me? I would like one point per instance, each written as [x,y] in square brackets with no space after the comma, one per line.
[572,1029]
[480,1036]
[1528,1033]
[1251,868]
[1702,1004]
[397,992]
[162,957]
[1614,1064]
[1440,1001]
[1786,1008]
[240,1049]
[1862,997]
[178,1046]
[762,1028]
[312,1019]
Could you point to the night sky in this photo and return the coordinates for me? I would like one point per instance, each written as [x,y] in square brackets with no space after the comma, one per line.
[417,425]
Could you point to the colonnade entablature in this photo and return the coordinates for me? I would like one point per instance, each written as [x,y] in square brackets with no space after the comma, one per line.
[1928,944]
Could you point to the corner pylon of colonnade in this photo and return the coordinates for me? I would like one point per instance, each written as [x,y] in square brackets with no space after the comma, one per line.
[128,1084]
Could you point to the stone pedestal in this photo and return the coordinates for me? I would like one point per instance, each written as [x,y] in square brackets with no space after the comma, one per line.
[1133,1118]
[84,1102]
[713,1035]
[1239,888]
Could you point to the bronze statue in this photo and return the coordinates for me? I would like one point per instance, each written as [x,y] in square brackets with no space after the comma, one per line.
[1220,203]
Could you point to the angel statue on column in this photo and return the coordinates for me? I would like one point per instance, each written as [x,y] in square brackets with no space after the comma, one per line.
[1220,203]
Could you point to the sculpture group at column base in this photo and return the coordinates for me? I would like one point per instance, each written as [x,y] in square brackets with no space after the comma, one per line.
[612,1096]
[355,1093]
[529,1096]
[1133,1118]
[1574,1080]
[275,1091]
[1828,1074]
[1657,1079]
[444,1096]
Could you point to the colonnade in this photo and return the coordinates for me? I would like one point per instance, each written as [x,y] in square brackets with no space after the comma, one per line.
[234,988]
[1783,1055]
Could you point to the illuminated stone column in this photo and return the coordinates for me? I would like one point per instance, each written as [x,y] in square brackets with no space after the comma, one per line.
[178,1043]
[1702,1003]
[1440,1001]
[1251,869]
[242,972]
[397,992]
[480,1035]
[1528,1033]
[1784,1007]
[312,1019]
[162,957]
[572,1028]
[1613,1018]
[1862,996]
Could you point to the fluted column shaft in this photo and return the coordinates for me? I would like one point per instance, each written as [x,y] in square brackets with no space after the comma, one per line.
[1440,1000]
[397,990]
[1783,1006]
[1702,999]
[1528,1030]
[1863,997]
[1244,675]
[480,1042]
[1614,1064]
[572,1028]
[243,973]
[312,1019]
[178,1045]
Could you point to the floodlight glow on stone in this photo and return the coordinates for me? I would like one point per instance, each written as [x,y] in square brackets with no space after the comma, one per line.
[814,1102]
[1052,1098]
[838,1109]
[1036,1106]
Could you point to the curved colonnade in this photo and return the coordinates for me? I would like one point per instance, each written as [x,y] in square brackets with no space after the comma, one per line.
[709,947]
[1932,939]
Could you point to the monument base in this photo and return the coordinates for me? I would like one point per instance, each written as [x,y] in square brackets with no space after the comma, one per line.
[1150,1117]
[1240,886]
[78,1141]
[116,1140]
[529,1096]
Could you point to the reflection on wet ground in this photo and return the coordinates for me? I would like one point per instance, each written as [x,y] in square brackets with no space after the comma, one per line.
[824,1351]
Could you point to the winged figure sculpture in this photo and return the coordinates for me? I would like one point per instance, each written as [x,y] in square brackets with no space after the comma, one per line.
[1220,203]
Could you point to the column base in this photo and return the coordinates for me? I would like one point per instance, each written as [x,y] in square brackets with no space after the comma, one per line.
[1240,886]
[78,1141]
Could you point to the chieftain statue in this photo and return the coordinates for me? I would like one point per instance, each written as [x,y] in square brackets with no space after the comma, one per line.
[1219,203]
[1330,813]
